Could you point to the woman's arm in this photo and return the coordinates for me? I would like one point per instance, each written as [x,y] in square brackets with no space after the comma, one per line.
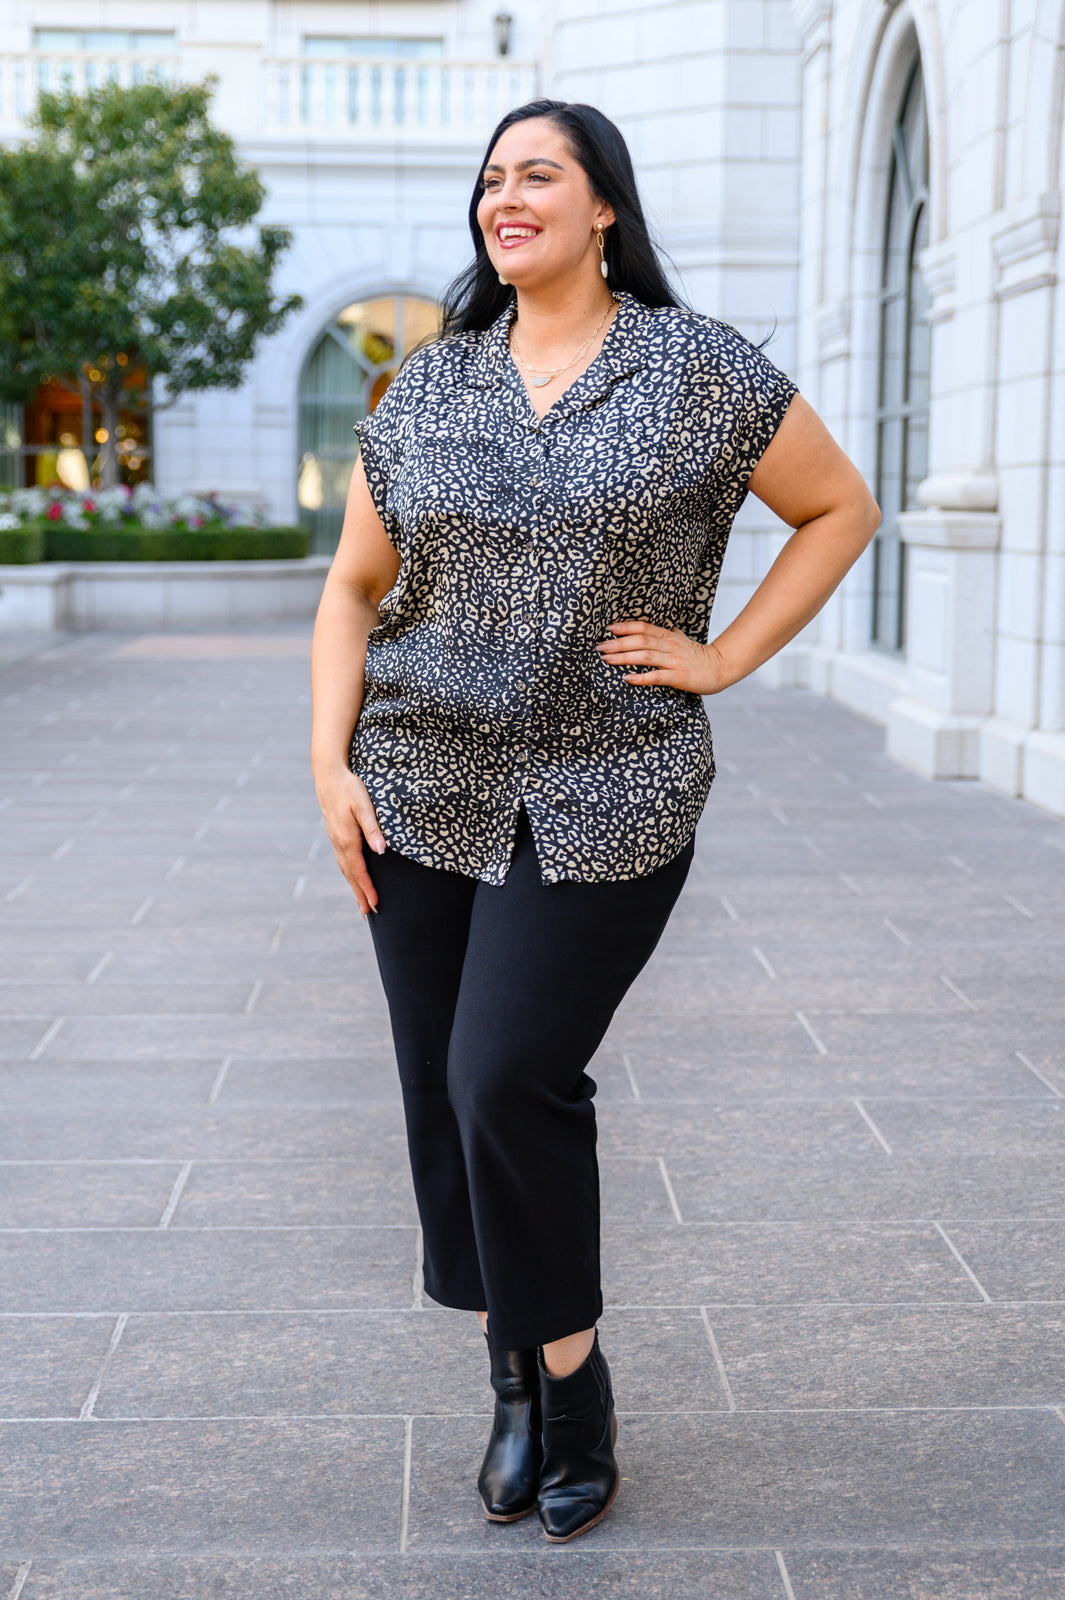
[807,480]
[364,569]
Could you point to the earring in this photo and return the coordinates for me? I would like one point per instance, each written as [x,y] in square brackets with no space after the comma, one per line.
[503,280]
[603,268]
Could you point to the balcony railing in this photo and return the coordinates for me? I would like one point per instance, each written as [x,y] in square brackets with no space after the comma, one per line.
[24,77]
[373,97]
[257,96]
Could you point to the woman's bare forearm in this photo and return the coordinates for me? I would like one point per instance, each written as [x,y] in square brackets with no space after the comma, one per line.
[338,671]
[807,571]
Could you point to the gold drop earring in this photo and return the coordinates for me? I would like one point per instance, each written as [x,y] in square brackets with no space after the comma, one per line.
[603,268]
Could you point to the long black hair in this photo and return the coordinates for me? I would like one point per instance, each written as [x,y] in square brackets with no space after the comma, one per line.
[476,297]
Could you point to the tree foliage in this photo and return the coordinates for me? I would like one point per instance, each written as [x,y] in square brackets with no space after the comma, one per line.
[127,244]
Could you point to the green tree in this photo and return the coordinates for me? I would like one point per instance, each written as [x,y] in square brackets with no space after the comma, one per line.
[127,244]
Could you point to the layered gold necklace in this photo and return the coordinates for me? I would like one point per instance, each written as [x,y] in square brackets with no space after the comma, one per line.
[546,374]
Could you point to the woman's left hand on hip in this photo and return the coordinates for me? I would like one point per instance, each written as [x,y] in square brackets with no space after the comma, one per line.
[674,659]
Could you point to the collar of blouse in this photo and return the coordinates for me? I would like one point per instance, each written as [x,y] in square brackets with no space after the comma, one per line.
[492,366]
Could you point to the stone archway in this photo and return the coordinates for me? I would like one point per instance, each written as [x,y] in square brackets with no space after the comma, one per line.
[348,369]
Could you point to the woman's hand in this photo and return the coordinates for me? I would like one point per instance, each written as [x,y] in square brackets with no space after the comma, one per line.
[675,659]
[349,819]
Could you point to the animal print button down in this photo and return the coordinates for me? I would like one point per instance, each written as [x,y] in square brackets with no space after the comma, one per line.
[521,541]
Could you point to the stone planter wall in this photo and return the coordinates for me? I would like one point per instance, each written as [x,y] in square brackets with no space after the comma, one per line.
[158,595]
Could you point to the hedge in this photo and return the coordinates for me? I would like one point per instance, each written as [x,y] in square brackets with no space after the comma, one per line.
[132,542]
[18,546]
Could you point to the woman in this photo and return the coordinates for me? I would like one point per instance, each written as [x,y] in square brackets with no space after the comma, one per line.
[513,627]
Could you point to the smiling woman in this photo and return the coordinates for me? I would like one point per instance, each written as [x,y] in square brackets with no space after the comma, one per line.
[508,671]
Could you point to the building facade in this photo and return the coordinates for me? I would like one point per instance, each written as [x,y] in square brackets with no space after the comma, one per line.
[875,187]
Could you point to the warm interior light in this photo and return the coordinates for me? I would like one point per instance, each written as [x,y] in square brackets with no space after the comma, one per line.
[309,484]
[122,358]
[95,374]
[101,436]
[71,469]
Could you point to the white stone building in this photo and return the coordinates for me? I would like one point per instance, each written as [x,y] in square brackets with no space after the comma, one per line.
[880,182]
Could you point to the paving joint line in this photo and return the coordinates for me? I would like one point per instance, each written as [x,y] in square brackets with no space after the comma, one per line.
[404,1498]
[86,1412]
[46,1038]
[274,1418]
[785,1579]
[101,966]
[877,1135]
[1052,1087]
[633,1085]
[220,1078]
[719,1361]
[962,1261]
[175,1194]
[953,987]
[818,1043]
[670,1191]
[20,1579]
[764,961]
[417,1282]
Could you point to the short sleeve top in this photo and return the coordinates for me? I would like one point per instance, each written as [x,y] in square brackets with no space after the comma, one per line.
[521,540]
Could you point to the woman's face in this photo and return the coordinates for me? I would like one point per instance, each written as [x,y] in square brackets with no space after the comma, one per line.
[538,213]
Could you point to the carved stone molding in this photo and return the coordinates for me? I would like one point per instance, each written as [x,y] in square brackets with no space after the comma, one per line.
[937,265]
[951,530]
[1025,244]
[813,18]
[959,491]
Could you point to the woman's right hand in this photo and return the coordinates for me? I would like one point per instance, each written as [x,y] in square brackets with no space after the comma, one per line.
[349,819]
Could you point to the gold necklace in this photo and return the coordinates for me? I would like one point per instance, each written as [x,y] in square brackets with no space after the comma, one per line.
[546,374]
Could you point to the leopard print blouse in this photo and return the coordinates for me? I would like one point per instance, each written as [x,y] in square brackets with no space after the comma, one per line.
[521,541]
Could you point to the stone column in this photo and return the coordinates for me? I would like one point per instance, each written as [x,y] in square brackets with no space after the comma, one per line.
[950,625]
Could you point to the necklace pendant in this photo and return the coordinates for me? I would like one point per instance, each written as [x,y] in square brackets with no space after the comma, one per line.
[538,383]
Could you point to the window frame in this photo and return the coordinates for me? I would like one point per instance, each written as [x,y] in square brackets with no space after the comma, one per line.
[909,168]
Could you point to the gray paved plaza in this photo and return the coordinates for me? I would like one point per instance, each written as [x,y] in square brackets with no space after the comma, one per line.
[832,1117]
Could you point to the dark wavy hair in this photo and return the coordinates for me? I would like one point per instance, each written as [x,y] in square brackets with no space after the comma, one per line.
[476,297]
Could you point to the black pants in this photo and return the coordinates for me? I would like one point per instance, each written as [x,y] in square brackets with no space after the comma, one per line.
[499,998]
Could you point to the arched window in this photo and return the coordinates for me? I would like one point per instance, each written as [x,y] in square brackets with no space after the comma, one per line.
[346,374]
[905,342]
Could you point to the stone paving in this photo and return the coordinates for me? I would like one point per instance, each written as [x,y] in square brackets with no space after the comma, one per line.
[832,1118]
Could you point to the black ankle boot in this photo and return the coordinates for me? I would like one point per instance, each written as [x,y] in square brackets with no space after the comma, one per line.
[580,1476]
[510,1474]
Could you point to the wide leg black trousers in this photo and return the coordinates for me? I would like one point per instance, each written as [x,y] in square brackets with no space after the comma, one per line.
[499,998]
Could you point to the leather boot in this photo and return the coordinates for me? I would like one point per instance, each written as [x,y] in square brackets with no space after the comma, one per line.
[580,1476]
[510,1474]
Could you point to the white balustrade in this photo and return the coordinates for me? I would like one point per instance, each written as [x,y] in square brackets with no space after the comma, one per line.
[378,97]
[24,77]
[340,97]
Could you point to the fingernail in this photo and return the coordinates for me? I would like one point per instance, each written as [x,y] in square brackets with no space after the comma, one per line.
[379,846]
